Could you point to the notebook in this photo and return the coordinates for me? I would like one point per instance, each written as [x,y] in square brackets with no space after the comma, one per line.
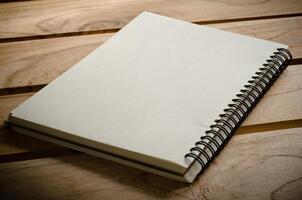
[161,95]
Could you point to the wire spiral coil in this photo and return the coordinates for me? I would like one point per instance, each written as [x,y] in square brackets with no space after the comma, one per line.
[223,129]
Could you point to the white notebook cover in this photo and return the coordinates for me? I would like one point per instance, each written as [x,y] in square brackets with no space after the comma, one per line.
[149,92]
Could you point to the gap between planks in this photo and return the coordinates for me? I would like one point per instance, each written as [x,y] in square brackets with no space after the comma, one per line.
[32,18]
[31,63]
[25,152]
[258,166]
[114,30]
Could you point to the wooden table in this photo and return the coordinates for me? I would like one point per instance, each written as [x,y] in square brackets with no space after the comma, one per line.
[39,40]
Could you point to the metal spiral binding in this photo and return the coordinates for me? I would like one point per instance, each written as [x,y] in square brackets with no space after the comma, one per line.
[219,133]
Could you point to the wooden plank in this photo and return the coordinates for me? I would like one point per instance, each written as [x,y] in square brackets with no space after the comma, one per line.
[40,61]
[30,18]
[280,108]
[37,62]
[253,166]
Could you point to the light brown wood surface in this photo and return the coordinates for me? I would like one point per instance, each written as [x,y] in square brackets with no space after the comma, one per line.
[39,40]
[62,16]
[252,166]
[36,62]
[282,103]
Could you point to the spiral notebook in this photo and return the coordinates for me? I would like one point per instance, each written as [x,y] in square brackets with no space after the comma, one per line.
[161,95]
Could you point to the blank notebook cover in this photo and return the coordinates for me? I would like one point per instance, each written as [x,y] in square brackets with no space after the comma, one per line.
[150,93]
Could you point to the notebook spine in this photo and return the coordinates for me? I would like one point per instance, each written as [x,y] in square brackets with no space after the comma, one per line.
[223,129]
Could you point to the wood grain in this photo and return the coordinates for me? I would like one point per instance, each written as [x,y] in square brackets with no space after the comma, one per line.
[30,18]
[37,62]
[281,104]
[263,165]
[253,166]
[40,61]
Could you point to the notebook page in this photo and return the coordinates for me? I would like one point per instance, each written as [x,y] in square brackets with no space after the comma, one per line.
[154,88]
